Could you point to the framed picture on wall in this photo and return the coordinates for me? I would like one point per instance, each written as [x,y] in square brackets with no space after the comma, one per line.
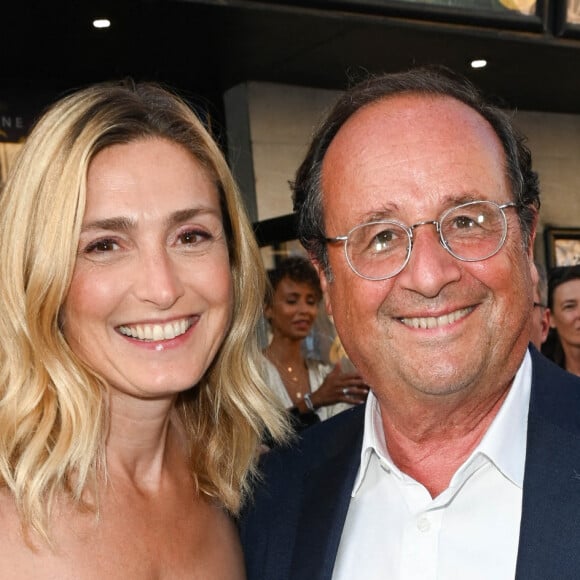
[567,18]
[562,246]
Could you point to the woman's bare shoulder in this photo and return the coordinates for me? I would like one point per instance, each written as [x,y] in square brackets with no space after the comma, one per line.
[219,552]
[197,543]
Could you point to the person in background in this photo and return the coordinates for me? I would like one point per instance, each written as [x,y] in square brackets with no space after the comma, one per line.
[418,205]
[131,404]
[311,390]
[540,315]
[563,344]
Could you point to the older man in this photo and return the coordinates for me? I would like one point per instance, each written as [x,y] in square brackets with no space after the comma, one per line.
[418,205]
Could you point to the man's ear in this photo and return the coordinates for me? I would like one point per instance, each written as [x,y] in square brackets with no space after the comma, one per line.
[550,318]
[532,239]
[323,283]
[545,324]
[535,274]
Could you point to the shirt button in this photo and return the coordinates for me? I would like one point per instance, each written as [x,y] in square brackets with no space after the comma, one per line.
[423,524]
[385,466]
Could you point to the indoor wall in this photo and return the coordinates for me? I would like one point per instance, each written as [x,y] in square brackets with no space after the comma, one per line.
[278,121]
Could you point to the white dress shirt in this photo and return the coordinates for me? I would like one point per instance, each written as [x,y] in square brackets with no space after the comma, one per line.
[394,530]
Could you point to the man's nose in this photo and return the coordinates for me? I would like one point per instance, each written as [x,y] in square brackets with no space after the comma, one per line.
[430,266]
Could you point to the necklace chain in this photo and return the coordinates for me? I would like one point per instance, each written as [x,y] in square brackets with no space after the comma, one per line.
[290,378]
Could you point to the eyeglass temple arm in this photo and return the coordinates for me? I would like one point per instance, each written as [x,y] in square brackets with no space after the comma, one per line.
[336,239]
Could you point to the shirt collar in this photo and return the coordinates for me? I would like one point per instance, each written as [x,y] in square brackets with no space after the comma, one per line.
[504,443]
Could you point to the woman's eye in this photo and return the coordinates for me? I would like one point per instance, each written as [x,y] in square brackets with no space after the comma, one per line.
[191,237]
[101,246]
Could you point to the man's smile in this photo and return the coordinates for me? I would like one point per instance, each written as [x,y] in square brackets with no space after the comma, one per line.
[436,321]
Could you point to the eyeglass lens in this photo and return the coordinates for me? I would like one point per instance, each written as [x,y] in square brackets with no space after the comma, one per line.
[470,232]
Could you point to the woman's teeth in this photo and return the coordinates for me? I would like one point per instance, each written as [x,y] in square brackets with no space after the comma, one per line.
[155,332]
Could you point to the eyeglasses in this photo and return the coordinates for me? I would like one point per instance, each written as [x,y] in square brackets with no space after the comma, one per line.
[470,232]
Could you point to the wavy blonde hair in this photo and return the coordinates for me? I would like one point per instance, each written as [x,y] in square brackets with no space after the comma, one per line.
[53,408]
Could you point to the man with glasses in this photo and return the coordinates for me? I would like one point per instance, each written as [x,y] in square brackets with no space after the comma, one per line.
[418,205]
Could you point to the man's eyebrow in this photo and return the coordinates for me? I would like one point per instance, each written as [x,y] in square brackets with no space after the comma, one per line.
[391,210]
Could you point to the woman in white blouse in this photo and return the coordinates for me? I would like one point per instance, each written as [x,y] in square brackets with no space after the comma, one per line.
[310,389]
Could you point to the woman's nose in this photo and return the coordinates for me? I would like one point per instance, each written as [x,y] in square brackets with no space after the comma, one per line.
[307,307]
[158,280]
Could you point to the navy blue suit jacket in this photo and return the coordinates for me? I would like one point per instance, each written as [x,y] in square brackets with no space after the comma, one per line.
[291,531]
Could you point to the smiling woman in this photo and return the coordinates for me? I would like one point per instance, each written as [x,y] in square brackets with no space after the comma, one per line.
[151,287]
[563,342]
[131,404]
[311,390]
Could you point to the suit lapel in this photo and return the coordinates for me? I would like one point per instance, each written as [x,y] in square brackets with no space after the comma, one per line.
[549,544]
[326,496]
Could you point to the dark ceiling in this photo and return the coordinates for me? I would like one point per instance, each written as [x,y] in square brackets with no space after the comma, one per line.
[204,47]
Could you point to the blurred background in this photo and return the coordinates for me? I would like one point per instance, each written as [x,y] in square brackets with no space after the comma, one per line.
[261,73]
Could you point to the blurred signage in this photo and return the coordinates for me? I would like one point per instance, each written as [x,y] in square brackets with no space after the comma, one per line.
[13,126]
[18,110]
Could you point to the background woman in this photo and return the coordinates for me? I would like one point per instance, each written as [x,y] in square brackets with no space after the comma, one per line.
[563,343]
[131,406]
[313,391]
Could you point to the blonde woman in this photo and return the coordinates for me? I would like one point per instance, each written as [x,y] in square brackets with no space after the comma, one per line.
[131,406]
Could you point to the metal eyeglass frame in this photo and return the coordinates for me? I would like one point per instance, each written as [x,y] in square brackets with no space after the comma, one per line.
[409,231]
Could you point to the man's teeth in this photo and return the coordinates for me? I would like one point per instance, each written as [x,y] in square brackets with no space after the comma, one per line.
[435,321]
[154,332]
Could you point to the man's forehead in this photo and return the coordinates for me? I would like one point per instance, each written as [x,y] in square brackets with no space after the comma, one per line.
[406,112]
[425,128]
